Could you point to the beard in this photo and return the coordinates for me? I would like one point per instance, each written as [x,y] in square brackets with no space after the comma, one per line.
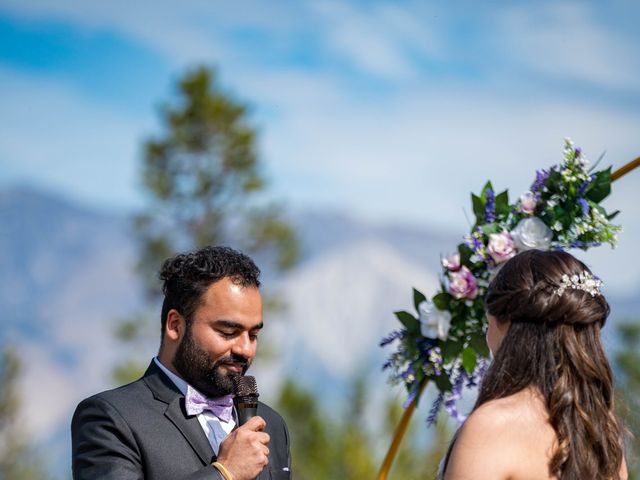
[202,372]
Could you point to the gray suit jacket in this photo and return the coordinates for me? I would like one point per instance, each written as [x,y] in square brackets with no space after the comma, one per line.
[141,431]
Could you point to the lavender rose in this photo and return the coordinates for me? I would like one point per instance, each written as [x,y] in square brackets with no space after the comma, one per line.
[462,284]
[452,262]
[434,323]
[501,247]
[532,233]
[528,202]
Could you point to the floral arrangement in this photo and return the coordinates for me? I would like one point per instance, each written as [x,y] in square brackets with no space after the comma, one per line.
[445,340]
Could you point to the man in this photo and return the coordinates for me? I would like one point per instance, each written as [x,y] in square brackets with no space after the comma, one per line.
[155,428]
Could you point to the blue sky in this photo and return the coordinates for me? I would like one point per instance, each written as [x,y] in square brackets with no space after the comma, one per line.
[390,110]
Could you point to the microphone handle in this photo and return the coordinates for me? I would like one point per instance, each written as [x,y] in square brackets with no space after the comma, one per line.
[246,411]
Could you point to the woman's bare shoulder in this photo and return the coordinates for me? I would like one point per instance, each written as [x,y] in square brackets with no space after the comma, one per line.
[521,409]
[508,435]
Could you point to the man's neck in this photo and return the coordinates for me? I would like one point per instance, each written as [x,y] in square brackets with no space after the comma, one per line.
[173,376]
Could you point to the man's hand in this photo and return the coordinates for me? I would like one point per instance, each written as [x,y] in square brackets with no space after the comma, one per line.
[244,452]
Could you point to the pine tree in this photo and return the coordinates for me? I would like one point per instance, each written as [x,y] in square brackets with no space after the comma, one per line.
[205,185]
[17,460]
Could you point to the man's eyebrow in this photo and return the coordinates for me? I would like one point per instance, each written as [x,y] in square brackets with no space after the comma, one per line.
[235,325]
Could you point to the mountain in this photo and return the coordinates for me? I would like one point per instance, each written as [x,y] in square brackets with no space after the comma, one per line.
[66,276]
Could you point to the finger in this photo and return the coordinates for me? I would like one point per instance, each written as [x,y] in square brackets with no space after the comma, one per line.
[255,424]
[263,437]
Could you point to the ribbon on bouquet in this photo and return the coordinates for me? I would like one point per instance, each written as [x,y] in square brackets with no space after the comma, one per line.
[406,416]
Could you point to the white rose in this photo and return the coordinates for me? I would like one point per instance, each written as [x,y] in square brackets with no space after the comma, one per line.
[531,233]
[434,323]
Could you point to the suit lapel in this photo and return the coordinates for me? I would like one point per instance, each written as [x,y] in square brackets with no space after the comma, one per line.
[190,428]
[165,391]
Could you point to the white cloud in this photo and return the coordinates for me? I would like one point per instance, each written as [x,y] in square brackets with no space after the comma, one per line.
[53,135]
[191,31]
[406,145]
[567,40]
[378,40]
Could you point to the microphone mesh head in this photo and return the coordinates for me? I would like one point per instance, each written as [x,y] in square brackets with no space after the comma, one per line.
[245,386]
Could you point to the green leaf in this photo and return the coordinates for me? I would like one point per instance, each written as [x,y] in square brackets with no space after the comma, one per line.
[469,359]
[478,208]
[418,298]
[502,203]
[479,343]
[465,254]
[613,215]
[600,188]
[490,228]
[417,371]
[443,383]
[555,178]
[442,301]
[451,349]
[411,323]
[562,216]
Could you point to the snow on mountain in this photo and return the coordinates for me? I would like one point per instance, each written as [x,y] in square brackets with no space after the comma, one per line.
[340,304]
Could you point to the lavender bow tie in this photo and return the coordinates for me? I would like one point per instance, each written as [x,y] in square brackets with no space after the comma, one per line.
[196,403]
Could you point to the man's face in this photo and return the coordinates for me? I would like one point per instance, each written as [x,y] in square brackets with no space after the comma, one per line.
[222,338]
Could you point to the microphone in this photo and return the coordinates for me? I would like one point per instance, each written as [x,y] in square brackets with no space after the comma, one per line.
[246,397]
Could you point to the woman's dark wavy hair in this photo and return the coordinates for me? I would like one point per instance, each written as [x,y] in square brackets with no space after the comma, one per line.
[553,345]
[187,276]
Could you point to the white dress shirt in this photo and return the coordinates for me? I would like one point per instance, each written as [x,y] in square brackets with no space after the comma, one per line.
[215,429]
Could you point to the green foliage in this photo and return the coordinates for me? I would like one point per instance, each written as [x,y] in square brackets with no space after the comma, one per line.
[204,180]
[17,460]
[138,335]
[469,359]
[418,298]
[311,448]
[627,363]
[330,444]
[128,371]
[410,322]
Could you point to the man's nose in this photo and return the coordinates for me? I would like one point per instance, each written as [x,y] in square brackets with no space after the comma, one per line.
[244,346]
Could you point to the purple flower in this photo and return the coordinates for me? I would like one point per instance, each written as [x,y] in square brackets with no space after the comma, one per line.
[454,396]
[490,206]
[584,205]
[583,245]
[435,408]
[501,247]
[393,336]
[541,178]
[584,185]
[462,284]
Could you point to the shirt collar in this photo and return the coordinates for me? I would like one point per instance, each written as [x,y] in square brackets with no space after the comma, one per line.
[179,382]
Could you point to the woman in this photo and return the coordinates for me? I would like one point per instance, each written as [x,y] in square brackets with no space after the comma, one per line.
[545,407]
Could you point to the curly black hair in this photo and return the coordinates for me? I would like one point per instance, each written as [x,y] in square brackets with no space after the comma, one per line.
[187,276]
